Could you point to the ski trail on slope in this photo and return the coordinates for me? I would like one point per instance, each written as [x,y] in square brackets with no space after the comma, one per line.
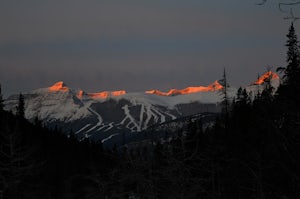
[100,120]
[149,116]
[141,116]
[101,127]
[172,116]
[124,120]
[83,128]
[86,136]
[162,117]
[110,126]
[108,138]
[128,116]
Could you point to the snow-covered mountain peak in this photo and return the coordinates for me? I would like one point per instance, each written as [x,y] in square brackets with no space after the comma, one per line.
[215,86]
[267,76]
[106,94]
[260,83]
[103,115]
[189,90]
[59,86]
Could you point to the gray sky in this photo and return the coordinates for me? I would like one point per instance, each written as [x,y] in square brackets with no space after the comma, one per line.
[136,45]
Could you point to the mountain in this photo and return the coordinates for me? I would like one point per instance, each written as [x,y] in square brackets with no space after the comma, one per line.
[109,115]
[259,84]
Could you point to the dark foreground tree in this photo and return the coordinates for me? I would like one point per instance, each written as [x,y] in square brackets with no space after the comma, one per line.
[224,92]
[21,106]
[291,71]
[1,100]
[287,95]
[16,161]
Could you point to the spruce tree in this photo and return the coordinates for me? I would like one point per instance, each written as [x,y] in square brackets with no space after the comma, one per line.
[287,115]
[225,100]
[242,97]
[224,93]
[288,93]
[258,94]
[1,99]
[267,93]
[21,106]
[291,71]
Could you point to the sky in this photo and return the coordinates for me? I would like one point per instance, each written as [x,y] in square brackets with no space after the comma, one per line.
[137,45]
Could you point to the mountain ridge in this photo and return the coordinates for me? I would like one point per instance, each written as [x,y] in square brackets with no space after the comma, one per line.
[105,115]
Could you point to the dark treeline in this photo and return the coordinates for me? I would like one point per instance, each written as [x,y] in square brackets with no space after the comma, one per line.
[251,151]
[36,162]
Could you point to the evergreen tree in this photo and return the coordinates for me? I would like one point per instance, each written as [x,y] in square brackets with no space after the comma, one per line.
[21,106]
[239,94]
[225,100]
[1,99]
[267,93]
[242,98]
[291,71]
[287,98]
[224,90]
[258,94]
[16,163]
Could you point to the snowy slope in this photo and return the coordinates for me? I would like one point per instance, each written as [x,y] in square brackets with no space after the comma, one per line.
[105,115]
[50,106]
[100,118]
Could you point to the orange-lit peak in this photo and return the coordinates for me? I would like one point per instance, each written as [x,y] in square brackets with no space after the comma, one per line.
[106,94]
[59,86]
[212,87]
[118,93]
[80,94]
[215,86]
[268,75]
[101,95]
[157,92]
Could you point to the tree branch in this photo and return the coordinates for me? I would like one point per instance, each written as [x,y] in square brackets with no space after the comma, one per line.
[263,2]
[285,7]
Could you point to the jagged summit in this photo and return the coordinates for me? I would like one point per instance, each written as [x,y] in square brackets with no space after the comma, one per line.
[267,75]
[59,86]
[189,90]
[81,94]
[62,87]
[106,94]
[215,86]
[103,115]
